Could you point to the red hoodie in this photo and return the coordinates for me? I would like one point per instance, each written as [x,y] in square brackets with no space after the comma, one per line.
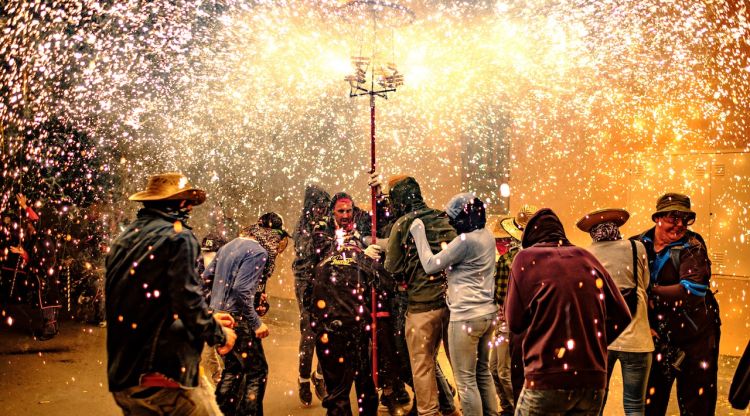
[568,305]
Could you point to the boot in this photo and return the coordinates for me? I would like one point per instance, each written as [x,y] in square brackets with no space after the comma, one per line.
[320,386]
[305,394]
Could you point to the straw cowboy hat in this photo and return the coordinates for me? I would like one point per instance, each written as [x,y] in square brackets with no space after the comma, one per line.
[616,215]
[493,223]
[169,187]
[672,202]
[515,225]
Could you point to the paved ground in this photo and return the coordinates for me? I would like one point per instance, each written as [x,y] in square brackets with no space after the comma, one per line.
[67,375]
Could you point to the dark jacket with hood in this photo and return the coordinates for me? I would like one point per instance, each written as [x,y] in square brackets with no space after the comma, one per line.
[568,305]
[688,262]
[157,318]
[425,292]
[315,209]
[341,287]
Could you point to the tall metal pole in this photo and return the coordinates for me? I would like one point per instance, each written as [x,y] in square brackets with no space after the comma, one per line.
[374,226]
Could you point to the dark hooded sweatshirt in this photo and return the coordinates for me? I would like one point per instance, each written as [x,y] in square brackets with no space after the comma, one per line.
[425,292]
[568,305]
[316,207]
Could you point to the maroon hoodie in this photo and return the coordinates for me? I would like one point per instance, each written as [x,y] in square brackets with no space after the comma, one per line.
[568,305]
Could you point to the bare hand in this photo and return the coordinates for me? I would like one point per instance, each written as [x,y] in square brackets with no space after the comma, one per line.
[17,250]
[654,334]
[374,182]
[373,251]
[21,200]
[224,319]
[231,337]
[262,331]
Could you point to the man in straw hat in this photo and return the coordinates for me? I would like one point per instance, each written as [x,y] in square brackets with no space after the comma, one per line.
[508,232]
[157,319]
[626,263]
[685,315]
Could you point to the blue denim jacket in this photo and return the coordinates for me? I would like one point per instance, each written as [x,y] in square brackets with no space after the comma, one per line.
[236,272]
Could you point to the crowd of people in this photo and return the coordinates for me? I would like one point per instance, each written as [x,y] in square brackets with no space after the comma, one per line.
[531,323]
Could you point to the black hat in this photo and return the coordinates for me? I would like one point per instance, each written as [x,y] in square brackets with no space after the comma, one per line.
[212,242]
[273,221]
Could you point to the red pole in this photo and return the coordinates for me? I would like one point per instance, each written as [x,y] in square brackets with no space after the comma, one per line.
[374,223]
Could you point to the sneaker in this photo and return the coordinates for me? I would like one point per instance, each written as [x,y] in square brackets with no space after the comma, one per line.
[320,386]
[305,395]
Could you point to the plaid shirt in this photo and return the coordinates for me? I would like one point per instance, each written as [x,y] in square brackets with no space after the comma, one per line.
[502,272]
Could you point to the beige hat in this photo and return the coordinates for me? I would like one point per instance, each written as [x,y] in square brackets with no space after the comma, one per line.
[616,215]
[515,226]
[493,223]
[169,187]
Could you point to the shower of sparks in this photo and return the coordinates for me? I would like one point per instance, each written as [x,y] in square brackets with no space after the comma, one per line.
[247,98]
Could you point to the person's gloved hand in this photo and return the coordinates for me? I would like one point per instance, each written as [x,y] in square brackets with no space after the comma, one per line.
[416,224]
[373,251]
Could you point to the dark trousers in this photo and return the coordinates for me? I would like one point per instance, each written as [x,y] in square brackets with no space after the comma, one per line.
[696,380]
[344,357]
[307,335]
[243,382]
[389,365]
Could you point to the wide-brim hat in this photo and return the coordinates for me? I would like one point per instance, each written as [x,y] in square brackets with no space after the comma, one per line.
[493,223]
[618,216]
[672,202]
[169,187]
[515,225]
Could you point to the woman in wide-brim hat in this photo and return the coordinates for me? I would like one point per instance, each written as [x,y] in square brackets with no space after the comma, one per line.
[634,347]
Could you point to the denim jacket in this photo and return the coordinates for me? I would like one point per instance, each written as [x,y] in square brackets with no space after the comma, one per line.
[157,319]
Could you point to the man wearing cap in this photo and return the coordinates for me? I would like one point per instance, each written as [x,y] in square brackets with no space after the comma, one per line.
[684,314]
[157,319]
[625,260]
[240,268]
[508,242]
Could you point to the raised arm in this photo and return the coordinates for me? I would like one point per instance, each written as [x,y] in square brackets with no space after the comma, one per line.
[433,263]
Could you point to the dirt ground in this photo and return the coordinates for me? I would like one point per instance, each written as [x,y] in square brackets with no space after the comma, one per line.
[67,375]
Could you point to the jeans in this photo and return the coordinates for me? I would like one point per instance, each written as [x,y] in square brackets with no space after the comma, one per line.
[157,401]
[500,368]
[635,369]
[584,402]
[470,343]
[243,382]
